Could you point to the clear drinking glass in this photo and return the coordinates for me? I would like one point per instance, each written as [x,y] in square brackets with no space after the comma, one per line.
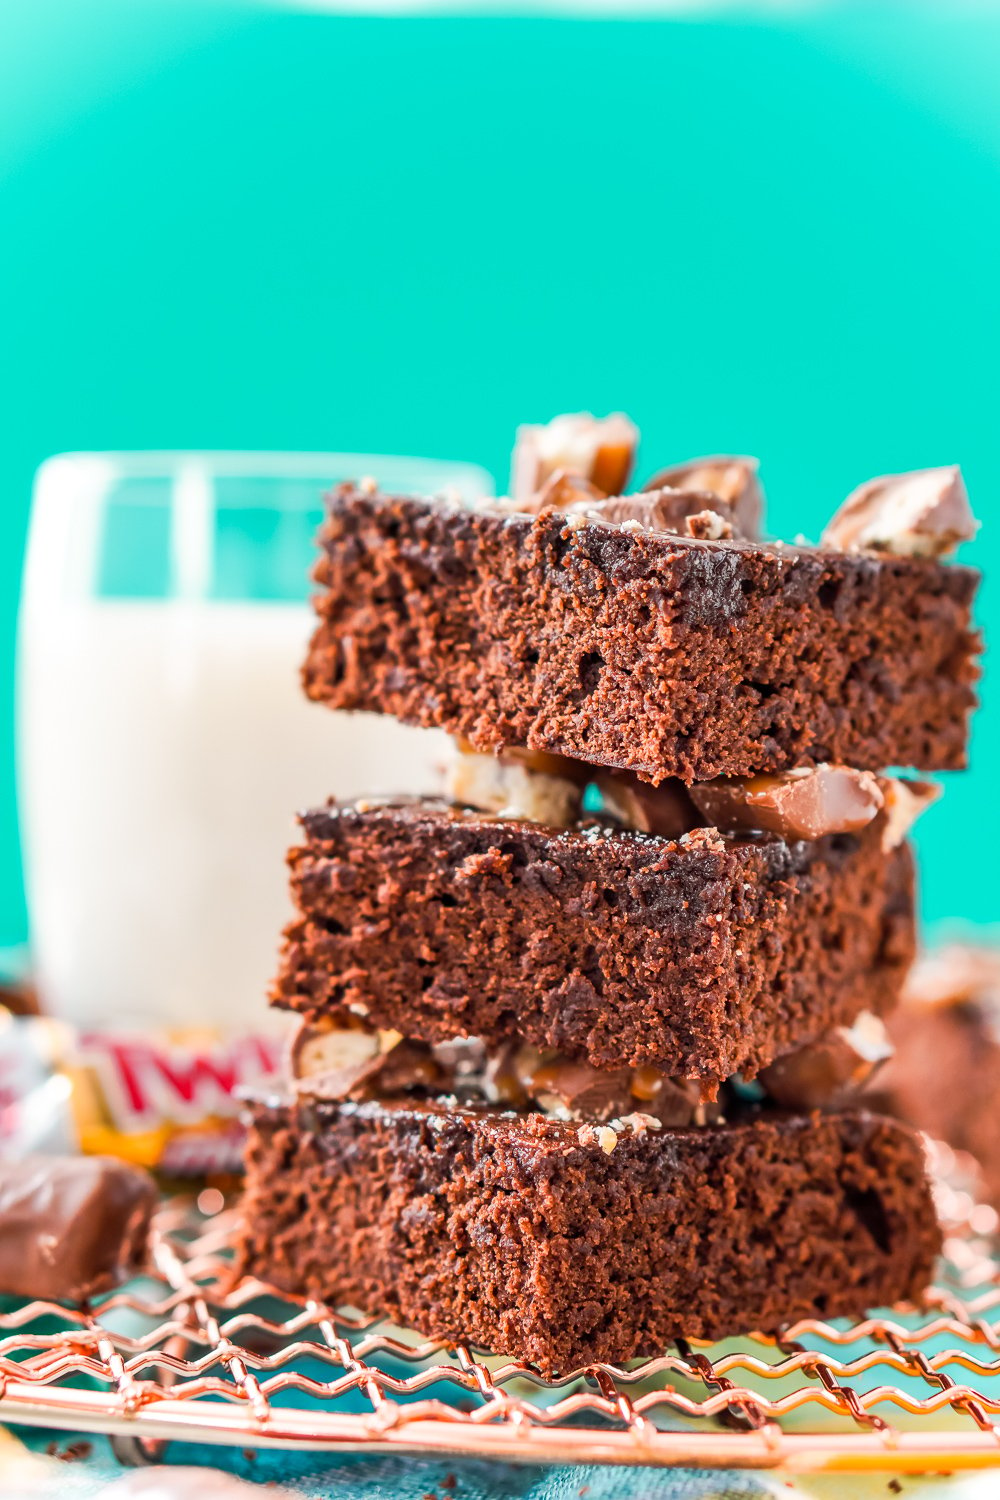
[164,743]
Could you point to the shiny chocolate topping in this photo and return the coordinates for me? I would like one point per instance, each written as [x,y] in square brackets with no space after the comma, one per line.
[922,514]
[71,1226]
[731,482]
[676,512]
[803,804]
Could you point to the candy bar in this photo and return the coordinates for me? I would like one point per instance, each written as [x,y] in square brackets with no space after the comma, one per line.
[71,1227]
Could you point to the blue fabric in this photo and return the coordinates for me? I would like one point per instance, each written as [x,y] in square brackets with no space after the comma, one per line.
[320,1476]
[323,1476]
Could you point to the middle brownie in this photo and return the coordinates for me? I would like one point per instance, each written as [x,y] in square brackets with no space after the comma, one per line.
[702,956]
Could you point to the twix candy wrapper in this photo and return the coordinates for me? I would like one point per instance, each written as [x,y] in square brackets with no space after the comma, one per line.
[169,1101]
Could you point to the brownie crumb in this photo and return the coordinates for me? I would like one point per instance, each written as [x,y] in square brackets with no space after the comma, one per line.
[73,1452]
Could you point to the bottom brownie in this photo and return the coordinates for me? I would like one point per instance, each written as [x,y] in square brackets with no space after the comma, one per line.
[528,1236]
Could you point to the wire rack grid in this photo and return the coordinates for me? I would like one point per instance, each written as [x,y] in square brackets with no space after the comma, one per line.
[186,1353]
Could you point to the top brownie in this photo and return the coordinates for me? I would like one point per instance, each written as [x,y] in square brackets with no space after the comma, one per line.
[669,655]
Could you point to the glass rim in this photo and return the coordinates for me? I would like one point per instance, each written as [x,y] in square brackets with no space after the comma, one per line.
[247,463]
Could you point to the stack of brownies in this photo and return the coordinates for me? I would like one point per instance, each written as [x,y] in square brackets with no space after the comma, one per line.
[579,1044]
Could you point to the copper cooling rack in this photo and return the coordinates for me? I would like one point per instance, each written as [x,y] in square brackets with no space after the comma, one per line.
[184,1354]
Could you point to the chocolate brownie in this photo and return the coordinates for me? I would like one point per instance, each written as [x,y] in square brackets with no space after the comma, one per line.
[634,648]
[945,1075]
[529,1237]
[700,956]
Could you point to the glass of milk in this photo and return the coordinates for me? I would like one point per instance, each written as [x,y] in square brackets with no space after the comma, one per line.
[164,742]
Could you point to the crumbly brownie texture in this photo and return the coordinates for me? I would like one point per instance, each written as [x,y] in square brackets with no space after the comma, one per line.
[700,957]
[632,648]
[512,1232]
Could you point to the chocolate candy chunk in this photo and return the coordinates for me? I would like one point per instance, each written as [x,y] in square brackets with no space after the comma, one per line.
[672,1101]
[709,526]
[324,1048]
[904,802]
[666,810]
[825,1074]
[676,512]
[562,489]
[568,1089]
[541,788]
[598,449]
[562,1086]
[803,804]
[945,1076]
[71,1226]
[331,1062]
[729,480]
[922,514]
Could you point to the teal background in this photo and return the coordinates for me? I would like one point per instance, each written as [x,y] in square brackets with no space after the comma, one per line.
[225,225]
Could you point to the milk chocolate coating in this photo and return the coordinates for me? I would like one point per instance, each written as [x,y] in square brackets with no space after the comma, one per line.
[600,450]
[666,510]
[360,1072]
[71,1226]
[601,1094]
[563,489]
[828,1073]
[514,1075]
[731,483]
[804,804]
[666,810]
[925,513]
[585,1092]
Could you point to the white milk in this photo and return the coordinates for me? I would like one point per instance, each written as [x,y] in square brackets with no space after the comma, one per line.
[165,747]
[164,742]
